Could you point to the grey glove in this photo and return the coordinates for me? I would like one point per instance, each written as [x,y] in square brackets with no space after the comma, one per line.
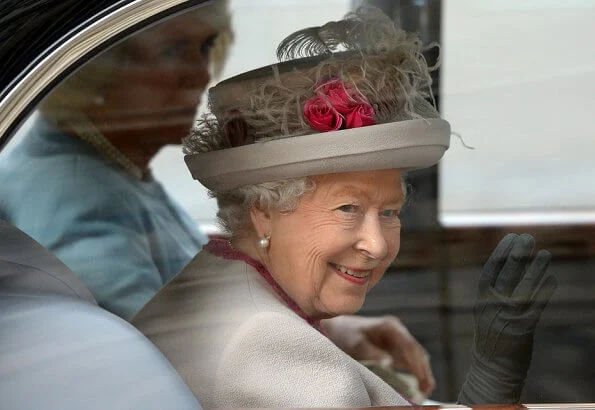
[513,291]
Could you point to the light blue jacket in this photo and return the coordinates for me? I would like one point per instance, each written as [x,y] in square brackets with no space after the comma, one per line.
[124,237]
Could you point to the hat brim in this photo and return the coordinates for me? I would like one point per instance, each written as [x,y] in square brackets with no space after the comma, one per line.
[406,145]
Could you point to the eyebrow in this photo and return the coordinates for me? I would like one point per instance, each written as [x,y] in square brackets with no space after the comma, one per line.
[352,190]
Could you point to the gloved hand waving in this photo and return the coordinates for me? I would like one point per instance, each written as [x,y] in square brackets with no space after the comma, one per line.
[513,291]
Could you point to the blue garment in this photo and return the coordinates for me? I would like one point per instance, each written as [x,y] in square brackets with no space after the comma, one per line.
[125,238]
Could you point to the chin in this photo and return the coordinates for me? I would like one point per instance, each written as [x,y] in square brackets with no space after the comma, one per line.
[343,308]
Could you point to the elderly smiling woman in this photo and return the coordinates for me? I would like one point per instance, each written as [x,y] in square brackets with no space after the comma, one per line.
[306,159]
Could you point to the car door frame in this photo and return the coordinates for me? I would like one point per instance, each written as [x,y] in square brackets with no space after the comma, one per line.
[81,43]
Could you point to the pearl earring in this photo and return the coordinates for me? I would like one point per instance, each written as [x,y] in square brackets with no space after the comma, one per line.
[265,241]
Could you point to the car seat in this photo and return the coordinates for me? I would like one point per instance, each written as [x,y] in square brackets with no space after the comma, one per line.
[60,350]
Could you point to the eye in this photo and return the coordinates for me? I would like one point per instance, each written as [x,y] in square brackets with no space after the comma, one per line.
[206,46]
[173,51]
[390,213]
[349,208]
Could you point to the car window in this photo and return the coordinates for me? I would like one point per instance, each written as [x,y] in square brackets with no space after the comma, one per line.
[515,81]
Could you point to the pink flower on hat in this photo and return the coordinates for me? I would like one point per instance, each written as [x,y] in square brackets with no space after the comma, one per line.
[337,106]
[321,115]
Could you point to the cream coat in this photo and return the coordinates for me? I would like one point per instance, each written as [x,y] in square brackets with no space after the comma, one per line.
[236,344]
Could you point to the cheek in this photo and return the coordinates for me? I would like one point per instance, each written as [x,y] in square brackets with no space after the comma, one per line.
[319,242]
[393,239]
[395,244]
[313,240]
[329,239]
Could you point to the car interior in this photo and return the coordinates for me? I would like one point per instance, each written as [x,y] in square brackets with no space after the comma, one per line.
[60,350]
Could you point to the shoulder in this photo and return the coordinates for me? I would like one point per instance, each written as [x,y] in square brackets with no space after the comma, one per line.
[64,184]
[280,334]
[278,360]
[195,316]
[283,334]
[229,337]
[307,369]
[208,287]
[57,159]
[208,302]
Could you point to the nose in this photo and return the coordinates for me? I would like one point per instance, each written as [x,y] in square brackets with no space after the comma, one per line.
[203,78]
[372,241]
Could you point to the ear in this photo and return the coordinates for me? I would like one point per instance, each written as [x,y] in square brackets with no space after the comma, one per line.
[261,220]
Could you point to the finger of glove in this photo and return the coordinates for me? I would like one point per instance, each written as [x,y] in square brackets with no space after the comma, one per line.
[544,292]
[495,262]
[515,265]
[532,278]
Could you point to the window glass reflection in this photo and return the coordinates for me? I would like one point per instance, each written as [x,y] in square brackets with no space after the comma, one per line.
[106,189]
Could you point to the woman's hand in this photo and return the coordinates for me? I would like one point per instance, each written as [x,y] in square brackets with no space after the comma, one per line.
[384,340]
[513,291]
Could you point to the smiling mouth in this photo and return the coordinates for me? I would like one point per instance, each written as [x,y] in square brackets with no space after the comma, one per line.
[359,274]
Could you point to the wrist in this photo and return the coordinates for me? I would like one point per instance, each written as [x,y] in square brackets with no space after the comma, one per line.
[488,383]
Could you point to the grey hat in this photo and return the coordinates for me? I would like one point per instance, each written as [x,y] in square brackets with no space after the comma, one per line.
[352,95]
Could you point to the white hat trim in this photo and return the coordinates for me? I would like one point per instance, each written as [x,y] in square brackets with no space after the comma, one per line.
[405,145]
